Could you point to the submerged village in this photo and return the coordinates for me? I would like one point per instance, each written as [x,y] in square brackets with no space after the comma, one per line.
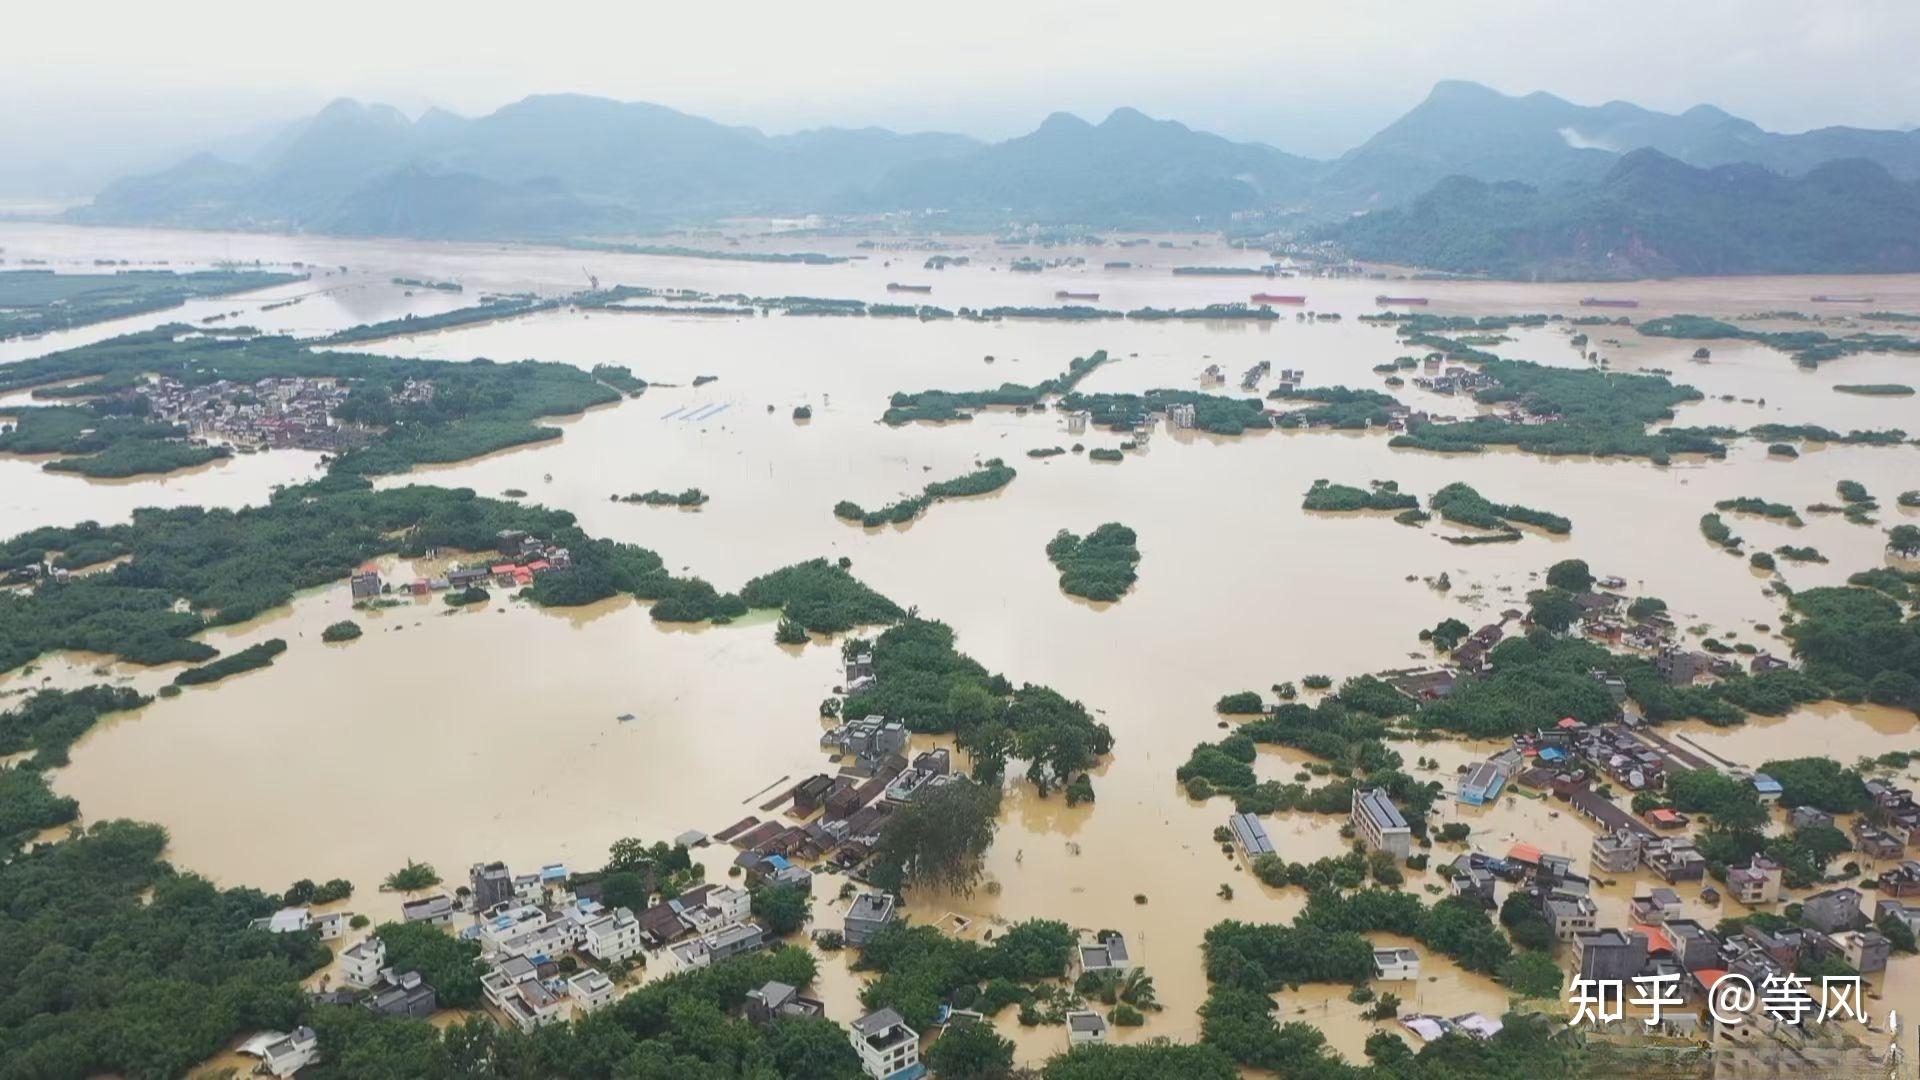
[949,770]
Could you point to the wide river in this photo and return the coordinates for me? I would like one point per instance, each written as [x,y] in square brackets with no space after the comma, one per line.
[457,738]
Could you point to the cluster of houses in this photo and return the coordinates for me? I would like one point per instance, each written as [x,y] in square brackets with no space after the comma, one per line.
[1455,379]
[274,413]
[522,559]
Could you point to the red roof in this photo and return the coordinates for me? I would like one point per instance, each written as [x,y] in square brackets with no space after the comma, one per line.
[1567,722]
[504,568]
[1525,853]
[1657,940]
[522,575]
[538,565]
[1709,976]
[1662,814]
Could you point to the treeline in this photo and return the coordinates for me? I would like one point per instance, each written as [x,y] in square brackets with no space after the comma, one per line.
[1325,495]
[992,475]
[1462,505]
[1339,407]
[41,301]
[104,440]
[1809,348]
[506,307]
[940,405]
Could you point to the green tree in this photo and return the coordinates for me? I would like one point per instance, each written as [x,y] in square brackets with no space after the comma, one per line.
[1533,975]
[1552,609]
[970,1050]
[783,908]
[1571,575]
[1904,540]
[939,840]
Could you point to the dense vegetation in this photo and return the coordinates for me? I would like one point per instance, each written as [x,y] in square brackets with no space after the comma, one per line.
[688,499]
[820,596]
[959,405]
[484,312]
[1578,411]
[991,476]
[1099,566]
[1338,407]
[922,679]
[1808,347]
[1377,495]
[41,301]
[1462,505]
[101,441]
[48,722]
[251,658]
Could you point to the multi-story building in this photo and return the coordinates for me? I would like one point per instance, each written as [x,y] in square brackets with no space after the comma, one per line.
[1380,823]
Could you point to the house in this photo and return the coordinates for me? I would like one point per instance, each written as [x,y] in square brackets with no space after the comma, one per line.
[1481,784]
[1570,915]
[434,910]
[1476,884]
[1085,1026]
[1766,662]
[1758,883]
[1396,965]
[1108,953]
[1894,909]
[1876,844]
[589,990]
[288,920]
[870,912]
[506,977]
[1675,859]
[1833,910]
[723,944]
[1782,945]
[1901,881]
[1611,954]
[1617,852]
[1693,946]
[1679,666]
[1655,907]
[1250,835]
[364,585]
[492,885]
[1663,818]
[886,1046]
[612,937]
[403,995]
[1809,817]
[288,1054]
[533,1005]
[1865,950]
[1380,823]
[810,794]
[776,999]
[360,963]
[1766,787]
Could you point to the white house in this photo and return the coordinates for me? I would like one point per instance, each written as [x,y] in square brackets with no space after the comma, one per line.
[1105,953]
[360,963]
[531,1006]
[612,937]
[589,990]
[1085,1026]
[885,1044]
[289,1054]
[721,907]
[288,920]
[1396,965]
[331,926]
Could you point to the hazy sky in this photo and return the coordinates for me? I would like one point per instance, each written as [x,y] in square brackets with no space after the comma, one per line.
[98,84]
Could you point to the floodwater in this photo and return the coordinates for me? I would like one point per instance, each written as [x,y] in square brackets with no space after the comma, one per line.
[452,738]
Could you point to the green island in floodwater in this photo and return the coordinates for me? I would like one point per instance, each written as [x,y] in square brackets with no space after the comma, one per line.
[41,301]
[990,477]
[1097,566]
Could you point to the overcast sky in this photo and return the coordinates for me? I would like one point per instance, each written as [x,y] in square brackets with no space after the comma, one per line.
[95,85]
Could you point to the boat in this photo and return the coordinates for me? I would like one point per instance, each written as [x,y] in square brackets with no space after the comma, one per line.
[1596,301]
[1825,299]
[1065,295]
[1274,298]
[894,286]
[1400,301]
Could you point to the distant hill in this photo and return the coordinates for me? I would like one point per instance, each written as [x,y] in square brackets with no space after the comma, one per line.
[1650,215]
[560,166]
[1466,129]
[545,166]
[1129,168]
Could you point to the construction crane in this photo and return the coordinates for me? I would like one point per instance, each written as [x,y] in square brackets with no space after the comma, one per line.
[591,279]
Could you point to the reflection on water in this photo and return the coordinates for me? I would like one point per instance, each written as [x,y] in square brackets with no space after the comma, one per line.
[494,733]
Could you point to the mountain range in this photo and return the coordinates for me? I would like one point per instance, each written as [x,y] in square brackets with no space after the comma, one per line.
[565,166]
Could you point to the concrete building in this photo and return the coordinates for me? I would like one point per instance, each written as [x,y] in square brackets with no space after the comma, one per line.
[887,1047]
[1865,950]
[434,910]
[1396,965]
[1756,884]
[360,963]
[1570,915]
[612,937]
[1250,835]
[1617,852]
[720,945]
[589,990]
[1108,952]
[492,884]
[291,1053]
[1085,1026]
[869,914]
[1380,823]
[403,994]
[1611,954]
[1833,910]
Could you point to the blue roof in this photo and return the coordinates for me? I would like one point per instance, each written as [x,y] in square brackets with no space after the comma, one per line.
[1551,753]
[778,862]
[1763,782]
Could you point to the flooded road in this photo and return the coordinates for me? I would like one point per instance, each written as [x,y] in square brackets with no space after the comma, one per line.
[452,738]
